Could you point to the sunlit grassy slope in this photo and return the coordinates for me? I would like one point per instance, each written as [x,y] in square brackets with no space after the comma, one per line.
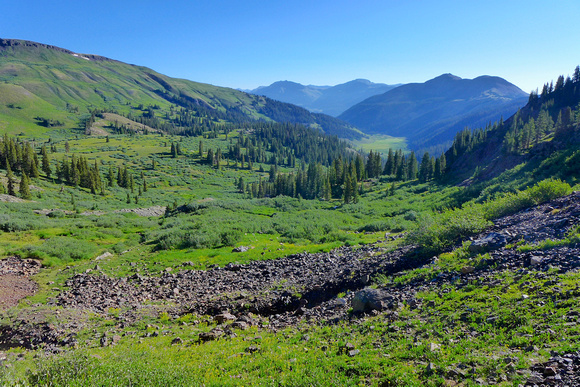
[44,81]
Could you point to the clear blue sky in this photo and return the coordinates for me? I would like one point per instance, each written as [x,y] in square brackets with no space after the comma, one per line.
[245,44]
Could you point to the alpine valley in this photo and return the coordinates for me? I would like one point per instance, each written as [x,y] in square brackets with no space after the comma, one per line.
[157,231]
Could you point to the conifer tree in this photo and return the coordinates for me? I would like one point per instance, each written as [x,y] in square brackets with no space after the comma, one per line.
[425,168]
[110,177]
[10,177]
[210,157]
[354,186]
[34,167]
[389,165]
[45,162]
[412,167]
[24,189]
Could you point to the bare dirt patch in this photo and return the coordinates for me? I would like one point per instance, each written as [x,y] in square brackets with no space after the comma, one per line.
[15,282]
[102,127]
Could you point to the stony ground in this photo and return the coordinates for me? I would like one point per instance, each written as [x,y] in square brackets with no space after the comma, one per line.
[304,287]
[15,282]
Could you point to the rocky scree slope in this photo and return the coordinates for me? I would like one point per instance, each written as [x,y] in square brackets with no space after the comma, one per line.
[304,284]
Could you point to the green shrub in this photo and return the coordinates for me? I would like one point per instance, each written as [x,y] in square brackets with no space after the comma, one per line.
[375,226]
[64,248]
[16,222]
[547,190]
[230,238]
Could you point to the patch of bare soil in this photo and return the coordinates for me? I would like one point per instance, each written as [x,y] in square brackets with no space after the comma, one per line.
[11,199]
[15,282]
[102,126]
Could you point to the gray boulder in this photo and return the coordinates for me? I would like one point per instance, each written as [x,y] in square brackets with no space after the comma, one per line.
[369,299]
[492,241]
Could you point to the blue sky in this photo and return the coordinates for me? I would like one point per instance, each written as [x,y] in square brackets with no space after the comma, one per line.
[245,44]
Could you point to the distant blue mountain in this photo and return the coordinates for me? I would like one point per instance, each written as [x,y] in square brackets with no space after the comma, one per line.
[429,114]
[331,100]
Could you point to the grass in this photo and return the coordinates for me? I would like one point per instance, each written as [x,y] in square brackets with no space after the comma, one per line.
[380,143]
[451,327]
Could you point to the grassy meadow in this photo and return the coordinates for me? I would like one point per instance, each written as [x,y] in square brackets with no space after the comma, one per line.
[206,217]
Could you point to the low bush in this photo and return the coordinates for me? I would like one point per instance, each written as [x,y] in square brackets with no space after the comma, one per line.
[64,248]
[438,231]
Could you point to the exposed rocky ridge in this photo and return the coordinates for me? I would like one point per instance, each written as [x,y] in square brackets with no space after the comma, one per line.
[4,43]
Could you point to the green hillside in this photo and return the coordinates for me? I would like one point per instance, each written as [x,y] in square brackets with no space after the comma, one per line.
[49,82]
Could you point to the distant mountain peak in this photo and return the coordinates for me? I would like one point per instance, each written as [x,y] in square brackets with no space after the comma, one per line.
[429,114]
[445,78]
[331,100]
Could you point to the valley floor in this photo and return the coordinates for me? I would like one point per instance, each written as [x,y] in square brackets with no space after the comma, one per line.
[487,312]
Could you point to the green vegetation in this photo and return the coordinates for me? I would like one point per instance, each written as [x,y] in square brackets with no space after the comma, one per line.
[178,173]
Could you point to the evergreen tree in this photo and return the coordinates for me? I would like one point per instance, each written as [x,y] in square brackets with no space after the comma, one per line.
[576,76]
[24,189]
[390,164]
[347,195]
[354,186]
[401,172]
[120,177]
[327,188]
[412,167]
[34,167]
[45,162]
[10,178]
[425,168]
[110,177]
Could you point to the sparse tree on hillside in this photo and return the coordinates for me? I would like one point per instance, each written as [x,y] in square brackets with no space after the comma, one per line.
[45,162]
[24,189]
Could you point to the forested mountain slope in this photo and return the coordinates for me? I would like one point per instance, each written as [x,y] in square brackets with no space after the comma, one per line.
[429,114]
[542,137]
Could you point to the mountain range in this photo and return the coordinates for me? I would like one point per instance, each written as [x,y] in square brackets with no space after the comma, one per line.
[331,100]
[429,114]
[40,80]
